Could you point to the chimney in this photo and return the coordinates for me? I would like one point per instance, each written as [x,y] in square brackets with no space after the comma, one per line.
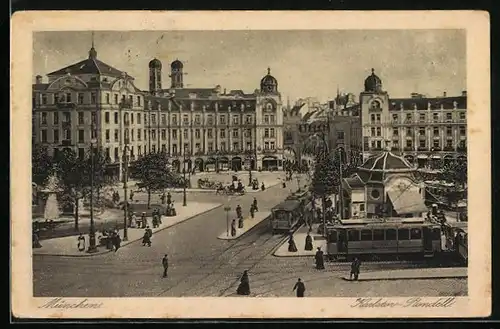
[39,79]
[464,93]
[444,94]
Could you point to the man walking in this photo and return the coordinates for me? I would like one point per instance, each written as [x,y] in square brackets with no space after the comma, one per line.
[300,287]
[165,265]
[356,263]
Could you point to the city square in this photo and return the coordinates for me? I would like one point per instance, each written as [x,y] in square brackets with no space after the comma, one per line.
[175,191]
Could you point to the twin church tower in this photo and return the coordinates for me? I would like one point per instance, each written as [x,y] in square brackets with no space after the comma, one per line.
[176,75]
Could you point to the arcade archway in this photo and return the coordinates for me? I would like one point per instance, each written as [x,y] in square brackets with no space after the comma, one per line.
[199,164]
[269,163]
[236,164]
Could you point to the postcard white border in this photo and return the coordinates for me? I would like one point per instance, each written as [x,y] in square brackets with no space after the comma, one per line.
[476,24]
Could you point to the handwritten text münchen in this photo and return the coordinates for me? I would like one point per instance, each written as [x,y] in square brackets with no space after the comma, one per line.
[411,302]
[62,303]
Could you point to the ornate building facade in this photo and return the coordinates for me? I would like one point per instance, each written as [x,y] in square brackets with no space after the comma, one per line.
[93,102]
[427,132]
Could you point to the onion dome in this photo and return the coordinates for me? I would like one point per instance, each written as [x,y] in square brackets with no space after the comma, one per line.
[269,83]
[376,168]
[177,64]
[155,64]
[373,83]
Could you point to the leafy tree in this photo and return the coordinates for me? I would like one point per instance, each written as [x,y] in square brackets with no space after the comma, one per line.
[75,175]
[455,172]
[41,165]
[152,173]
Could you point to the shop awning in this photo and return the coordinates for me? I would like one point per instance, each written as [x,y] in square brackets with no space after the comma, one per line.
[422,156]
[435,156]
[406,202]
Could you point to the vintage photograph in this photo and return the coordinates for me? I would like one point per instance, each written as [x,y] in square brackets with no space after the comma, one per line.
[251,163]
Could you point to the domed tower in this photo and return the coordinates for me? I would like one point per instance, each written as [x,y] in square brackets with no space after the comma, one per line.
[154,76]
[176,74]
[373,83]
[269,84]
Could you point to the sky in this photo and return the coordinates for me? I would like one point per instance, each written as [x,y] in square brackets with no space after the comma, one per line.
[311,63]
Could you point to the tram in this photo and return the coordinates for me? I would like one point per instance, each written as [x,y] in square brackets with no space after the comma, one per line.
[457,239]
[290,213]
[408,236]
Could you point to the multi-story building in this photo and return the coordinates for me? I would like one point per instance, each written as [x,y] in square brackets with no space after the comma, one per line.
[426,131]
[92,102]
[215,129]
[344,105]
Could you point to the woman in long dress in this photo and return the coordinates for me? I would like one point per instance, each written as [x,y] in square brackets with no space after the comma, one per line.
[292,247]
[309,242]
[244,287]
[81,242]
[233,227]
[320,262]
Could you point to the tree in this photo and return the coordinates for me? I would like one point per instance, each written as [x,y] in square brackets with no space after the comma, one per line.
[41,165]
[325,179]
[75,176]
[455,172]
[152,173]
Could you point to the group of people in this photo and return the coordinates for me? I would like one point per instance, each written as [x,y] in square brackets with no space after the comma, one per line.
[244,286]
[292,247]
[111,239]
[239,215]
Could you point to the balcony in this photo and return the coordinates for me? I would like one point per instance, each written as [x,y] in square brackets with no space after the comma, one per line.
[422,148]
[269,151]
[65,105]
[436,149]
[126,104]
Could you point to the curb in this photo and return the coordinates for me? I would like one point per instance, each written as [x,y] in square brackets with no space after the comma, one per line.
[218,237]
[434,277]
[127,242]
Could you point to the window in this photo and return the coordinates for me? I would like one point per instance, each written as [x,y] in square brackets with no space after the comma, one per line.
[132,118]
[379,131]
[210,120]
[373,144]
[421,117]
[44,118]
[116,117]
[163,134]
[409,143]
[210,146]
[236,120]
[93,98]
[266,133]
[236,147]
[222,120]
[55,118]
[145,120]
[353,235]
[409,117]
[139,150]
[462,115]
[81,136]
[116,135]
[107,98]
[56,98]
[390,234]
[249,145]
[197,133]
[106,117]
[93,117]
[222,133]
[394,117]
[403,234]
[116,153]
[462,131]
[68,97]
[139,134]
[163,119]
[248,119]
[435,143]
[272,146]
[174,133]
[409,131]
[223,146]
[375,194]
[421,131]
[131,99]
[378,235]
[448,131]
[421,143]
[372,118]
[80,118]
[362,207]
[266,146]
[185,133]
[435,117]
[266,119]
[448,116]
[56,136]
[395,131]
[153,119]
[81,153]
[107,135]
[366,235]
[235,133]
[153,134]
[138,100]
[372,131]
[44,136]
[174,119]
[271,118]
[272,132]
[210,133]
[377,116]
[332,236]
[415,234]
[435,131]
[340,135]
[132,132]
[123,99]
[197,146]
[138,118]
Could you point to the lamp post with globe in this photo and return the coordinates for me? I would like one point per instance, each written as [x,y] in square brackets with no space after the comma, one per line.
[92,243]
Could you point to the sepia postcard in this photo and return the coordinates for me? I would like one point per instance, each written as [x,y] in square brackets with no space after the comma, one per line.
[227,165]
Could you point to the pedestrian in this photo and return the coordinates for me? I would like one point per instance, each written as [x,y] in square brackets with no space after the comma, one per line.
[300,287]
[155,219]
[36,239]
[252,211]
[309,242]
[291,244]
[162,198]
[144,220]
[255,207]
[238,211]
[81,242]
[165,265]
[169,198]
[117,241]
[133,220]
[244,287]
[150,231]
[262,187]
[320,262]
[131,196]
[240,222]
[146,239]
[284,185]
[233,227]
[355,265]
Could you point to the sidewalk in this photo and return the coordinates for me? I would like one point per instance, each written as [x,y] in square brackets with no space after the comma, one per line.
[413,274]
[248,224]
[67,246]
[300,241]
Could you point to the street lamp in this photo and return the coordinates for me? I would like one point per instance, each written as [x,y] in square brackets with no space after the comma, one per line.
[250,159]
[227,209]
[184,201]
[92,245]
[125,181]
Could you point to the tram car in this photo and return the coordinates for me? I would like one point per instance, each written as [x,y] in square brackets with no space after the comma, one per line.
[290,213]
[408,236]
